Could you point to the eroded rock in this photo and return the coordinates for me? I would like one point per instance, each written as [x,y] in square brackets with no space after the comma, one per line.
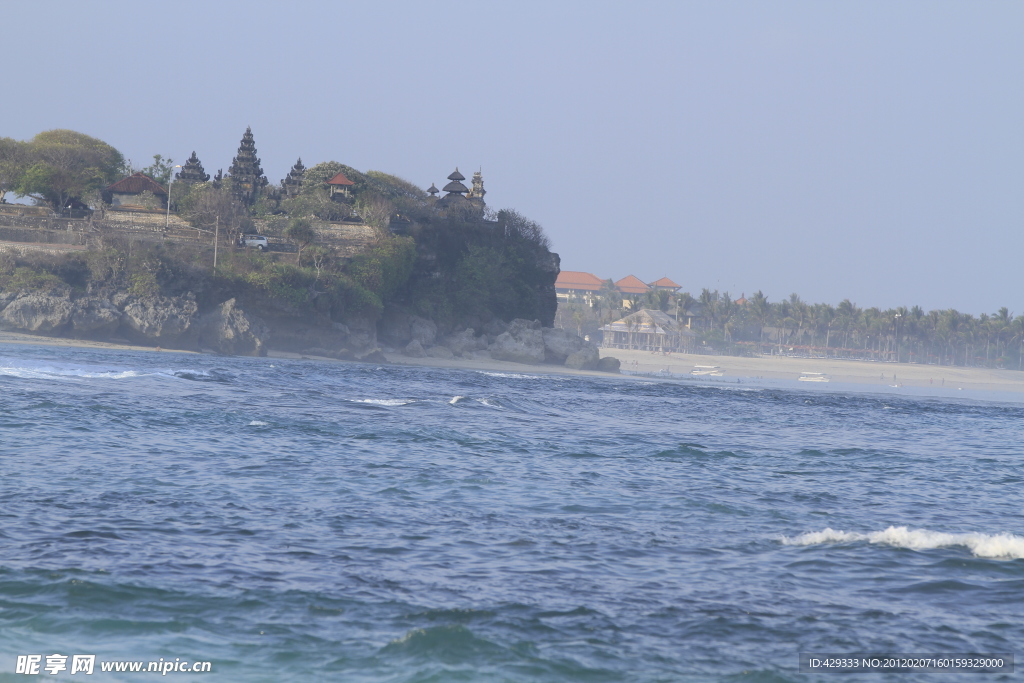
[232,331]
[37,312]
[424,331]
[162,320]
[523,342]
[559,344]
[414,349]
[587,358]
[94,317]
[464,343]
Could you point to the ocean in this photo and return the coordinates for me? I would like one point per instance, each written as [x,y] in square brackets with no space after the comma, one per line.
[289,520]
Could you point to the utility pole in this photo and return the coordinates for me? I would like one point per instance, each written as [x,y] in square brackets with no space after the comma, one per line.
[216,238]
[170,184]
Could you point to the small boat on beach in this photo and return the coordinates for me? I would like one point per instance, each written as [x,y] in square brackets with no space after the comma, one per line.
[813,377]
[708,370]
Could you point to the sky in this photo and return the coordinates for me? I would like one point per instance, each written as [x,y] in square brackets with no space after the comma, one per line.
[864,150]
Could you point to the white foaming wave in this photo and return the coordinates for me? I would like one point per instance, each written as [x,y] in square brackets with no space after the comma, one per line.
[384,401]
[994,546]
[490,403]
[50,372]
[29,370]
[509,375]
[456,399]
[256,423]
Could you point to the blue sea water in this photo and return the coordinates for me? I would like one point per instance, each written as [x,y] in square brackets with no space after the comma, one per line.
[301,521]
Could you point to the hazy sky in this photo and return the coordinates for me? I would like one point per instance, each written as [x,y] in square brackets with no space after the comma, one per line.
[873,151]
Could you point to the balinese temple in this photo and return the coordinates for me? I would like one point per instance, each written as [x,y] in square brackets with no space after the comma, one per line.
[478,190]
[192,171]
[455,189]
[340,186]
[218,179]
[432,191]
[245,173]
[292,183]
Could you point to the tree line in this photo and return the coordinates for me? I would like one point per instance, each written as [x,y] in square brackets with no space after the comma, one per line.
[722,324]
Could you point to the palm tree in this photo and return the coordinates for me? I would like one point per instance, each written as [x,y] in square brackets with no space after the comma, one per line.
[761,309]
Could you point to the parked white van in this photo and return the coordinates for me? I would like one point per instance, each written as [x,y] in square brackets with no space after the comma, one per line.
[257,241]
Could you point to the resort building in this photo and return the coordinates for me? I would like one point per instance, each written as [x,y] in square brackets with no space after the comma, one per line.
[574,285]
[631,285]
[647,330]
[666,284]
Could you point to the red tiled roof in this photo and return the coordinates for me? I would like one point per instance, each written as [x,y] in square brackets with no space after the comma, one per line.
[136,184]
[340,179]
[665,282]
[575,279]
[631,284]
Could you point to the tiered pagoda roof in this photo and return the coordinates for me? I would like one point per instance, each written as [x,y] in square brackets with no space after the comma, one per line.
[246,175]
[293,181]
[192,171]
[456,186]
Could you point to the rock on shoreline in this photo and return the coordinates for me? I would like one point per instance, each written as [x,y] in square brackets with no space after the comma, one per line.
[178,323]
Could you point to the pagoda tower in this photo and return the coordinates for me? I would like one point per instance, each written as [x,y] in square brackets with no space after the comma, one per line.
[455,188]
[292,183]
[192,171]
[432,191]
[246,176]
[478,191]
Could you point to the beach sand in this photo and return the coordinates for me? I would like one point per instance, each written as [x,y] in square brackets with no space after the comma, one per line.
[840,371]
[678,364]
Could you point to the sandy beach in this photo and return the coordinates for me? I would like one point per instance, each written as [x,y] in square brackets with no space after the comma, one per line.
[677,364]
[840,371]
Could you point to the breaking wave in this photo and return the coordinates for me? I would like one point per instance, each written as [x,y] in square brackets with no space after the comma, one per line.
[995,546]
[29,370]
[385,401]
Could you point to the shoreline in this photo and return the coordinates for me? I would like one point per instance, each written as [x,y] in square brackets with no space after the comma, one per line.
[669,367]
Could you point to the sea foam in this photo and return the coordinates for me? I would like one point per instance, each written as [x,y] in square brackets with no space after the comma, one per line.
[996,546]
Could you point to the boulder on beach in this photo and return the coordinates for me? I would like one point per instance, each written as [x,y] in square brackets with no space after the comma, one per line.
[523,342]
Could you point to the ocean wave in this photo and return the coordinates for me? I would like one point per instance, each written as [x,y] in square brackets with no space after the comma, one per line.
[384,401]
[257,423]
[509,375]
[995,546]
[30,370]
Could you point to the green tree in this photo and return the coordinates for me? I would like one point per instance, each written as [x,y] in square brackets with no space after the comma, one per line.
[301,232]
[13,159]
[160,170]
[761,310]
[63,165]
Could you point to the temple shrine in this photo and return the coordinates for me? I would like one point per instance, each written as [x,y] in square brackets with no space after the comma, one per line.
[192,171]
[292,183]
[246,176]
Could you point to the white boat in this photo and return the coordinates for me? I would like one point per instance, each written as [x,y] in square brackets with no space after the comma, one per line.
[813,377]
[709,370]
